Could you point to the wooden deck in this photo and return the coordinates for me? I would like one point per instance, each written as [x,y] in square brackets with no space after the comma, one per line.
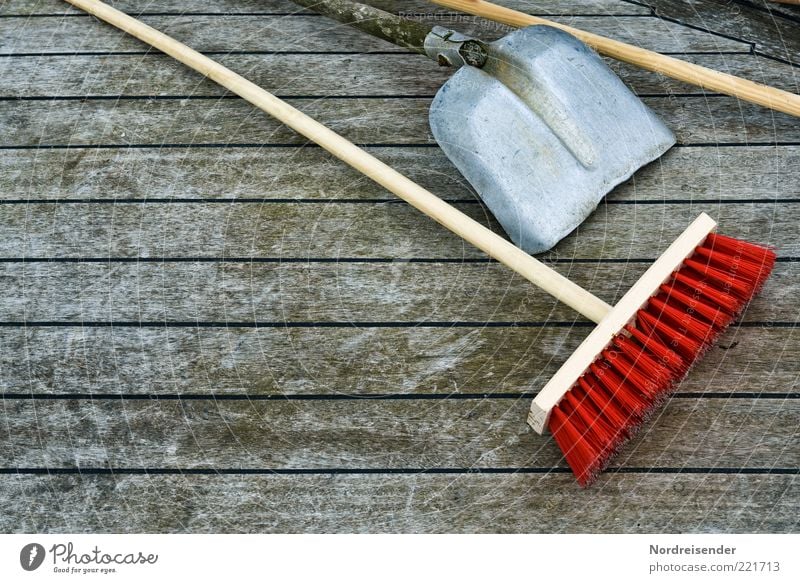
[210,326]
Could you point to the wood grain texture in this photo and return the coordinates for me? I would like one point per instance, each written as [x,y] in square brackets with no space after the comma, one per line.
[380,120]
[352,230]
[373,434]
[782,9]
[307,33]
[292,75]
[621,503]
[278,357]
[349,361]
[231,173]
[770,35]
[273,292]
[57,7]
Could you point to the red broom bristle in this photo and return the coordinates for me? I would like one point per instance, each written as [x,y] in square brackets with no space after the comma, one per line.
[681,343]
[632,371]
[603,434]
[708,292]
[685,322]
[663,353]
[728,282]
[643,363]
[629,398]
[730,263]
[713,314]
[615,416]
[565,427]
[739,248]
[598,434]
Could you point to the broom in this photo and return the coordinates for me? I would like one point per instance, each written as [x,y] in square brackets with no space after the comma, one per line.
[640,349]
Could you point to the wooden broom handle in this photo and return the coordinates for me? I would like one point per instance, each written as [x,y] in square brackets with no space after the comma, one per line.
[704,77]
[484,239]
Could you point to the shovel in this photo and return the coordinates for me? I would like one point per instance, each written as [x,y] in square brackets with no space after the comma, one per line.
[535,121]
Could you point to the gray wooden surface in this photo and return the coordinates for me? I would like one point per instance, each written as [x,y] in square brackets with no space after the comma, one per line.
[207,325]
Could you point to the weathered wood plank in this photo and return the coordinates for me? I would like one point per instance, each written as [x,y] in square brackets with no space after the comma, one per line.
[773,36]
[347,361]
[322,292]
[364,120]
[305,75]
[326,434]
[57,7]
[731,173]
[285,74]
[312,33]
[373,434]
[358,230]
[304,33]
[389,121]
[623,503]
[782,9]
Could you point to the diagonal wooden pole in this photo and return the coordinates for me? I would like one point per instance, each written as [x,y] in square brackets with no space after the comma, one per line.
[704,77]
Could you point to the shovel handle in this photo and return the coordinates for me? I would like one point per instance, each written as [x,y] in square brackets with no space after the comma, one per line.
[411,34]
[403,32]
[483,238]
[704,77]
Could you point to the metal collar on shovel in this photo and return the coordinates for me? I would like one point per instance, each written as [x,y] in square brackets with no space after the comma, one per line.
[535,121]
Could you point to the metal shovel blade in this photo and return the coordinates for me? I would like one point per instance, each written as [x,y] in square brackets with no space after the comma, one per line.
[543,132]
